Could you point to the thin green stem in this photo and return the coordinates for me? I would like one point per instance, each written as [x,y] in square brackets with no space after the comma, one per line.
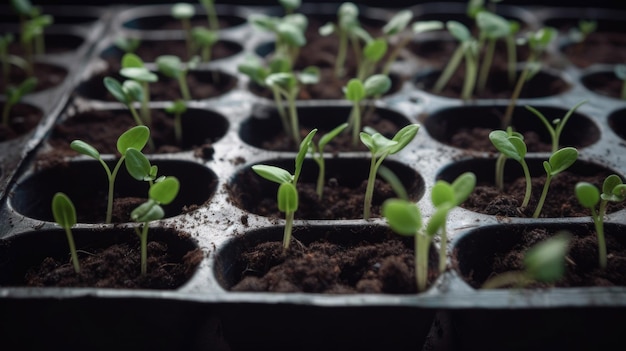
[369,190]
[598,221]
[355,117]
[443,248]
[529,184]
[293,114]
[289,215]
[445,76]
[486,65]
[70,241]
[178,128]
[470,75]
[500,162]
[542,199]
[623,94]
[320,175]
[341,54]
[184,88]
[111,176]
[144,248]
[281,110]
[422,244]
[145,109]
[508,115]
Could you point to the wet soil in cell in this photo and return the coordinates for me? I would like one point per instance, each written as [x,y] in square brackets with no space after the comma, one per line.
[598,47]
[605,83]
[48,76]
[22,119]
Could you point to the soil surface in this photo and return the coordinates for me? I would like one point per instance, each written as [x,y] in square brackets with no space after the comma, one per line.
[22,119]
[598,47]
[48,76]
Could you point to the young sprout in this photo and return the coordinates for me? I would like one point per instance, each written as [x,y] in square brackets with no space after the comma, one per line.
[318,155]
[538,42]
[543,263]
[65,215]
[447,196]
[396,27]
[5,41]
[127,44]
[211,14]
[134,138]
[287,196]
[32,38]
[468,50]
[14,95]
[492,28]
[177,108]
[290,6]
[356,91]
[288,31]
[555,132]
[133,68]
[557,163]
[127,93]
[204,40]
[373,52]
[171,66]
[511,145]
[162,192]
[380,147]
[184,12]
[613,190]
[511,49]
[620,73]
[580,33]
[349,31]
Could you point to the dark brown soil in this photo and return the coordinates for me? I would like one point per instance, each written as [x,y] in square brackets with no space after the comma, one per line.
[598,47]
[582,267]
[117,266]
[22,119]
[606,83]
[385,265]
[48,76]
[477,139]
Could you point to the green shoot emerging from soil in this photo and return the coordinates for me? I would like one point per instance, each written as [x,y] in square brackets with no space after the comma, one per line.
[317,152]
[543,263]
[14,95]
[613,190]
[184,12]
[555,132]
[492,28]
[468,50]
[356,91]
[211,14]
[349,31]
[32,25]
[135,138]
[65,215]
[511,145]
[380,147]
[162,192]
[5,41]
[287,196]
[133,68]
[177,108]
[557,163]
[171,66]
[204,40]
[620,73]
[288,31]
[127,44]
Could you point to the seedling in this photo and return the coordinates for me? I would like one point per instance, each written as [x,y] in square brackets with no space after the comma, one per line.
[288,31]
[538,42]
[5,41]
[492,28]
[127,93]
[211,14]
[127,44]
[135,138]
[620,73]
[290,5]
[580,33]
[184,12]
[133,68]
[555,132]
[613,190]
[287,196]
[380,147]
[177,108]
[557,163]
[511,145]
[171,66]
[349,31]
[14,95]
[543,263]
[396,27]
[356,91]
[65,215]
[372,53]
[318,155]
[467,50]
[32,24]
[204,40]
[162,192]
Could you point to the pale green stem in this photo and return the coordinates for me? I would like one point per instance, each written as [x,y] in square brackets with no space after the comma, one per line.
[293,114]
[40,46]
[70,241]
[320,175]
[341,54]
[500,162]
[355,116]
[445,76]
[211,15]
[144,248]
[184,89]
[145,109]
[369,190]
[529,184]
[111,176]
[288,229]
[598,221]
[623,95]
[139,122]
[443,248]
[486,65]
[422,244]
[508,115]
[394,55]
[470,75]
[542,199]
[281,110]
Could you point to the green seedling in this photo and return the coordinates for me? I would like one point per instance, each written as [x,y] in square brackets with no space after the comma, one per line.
[373,51]
[538,42]
[417,28]
[557,163]
[446,196]
[134,138]
[290,6]
[133,68]
[467,50]
[177,108]
[211,14]
[350,33]
[288,31]
[5,41]
[287,196]
[162,192]
[356,91]
[620,73]
[14,95]
[380,147]
[65,215]
[394,29]
[613,190]
[127,93]
[204,40]
[543,263]
[32,38]
[556,127]
[394,181]
[511,145]
[126,44]
[580,33]
[492,28]
[184,12]
[171,66]
[317,152]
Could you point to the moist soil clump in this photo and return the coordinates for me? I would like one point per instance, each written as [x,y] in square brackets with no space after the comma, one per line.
[22,119]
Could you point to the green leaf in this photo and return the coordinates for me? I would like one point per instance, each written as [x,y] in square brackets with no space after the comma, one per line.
[587,194]
[427,26]
[165,191]
[63,210]
[510,146]
[170,65]
[148,211]
[327,29]
[326,138]
[273,173]
[204,37]
[182,10]
[375,50]
[377,84]
[459,31]
[562,160]
[287,198]
[438,219]
[284,80]
[463,186]
[290,5]
[130,60]
[545,262]
[309,75]
[302,151]
[613,189]
[133,91]
[141,74]
[355,91]
[85,149]
[441,193]
[492,25]
[403,216]
[115,88]
[134,138]
[137,165]
[404,136]
[22,7]
[291,34]
[398,22]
